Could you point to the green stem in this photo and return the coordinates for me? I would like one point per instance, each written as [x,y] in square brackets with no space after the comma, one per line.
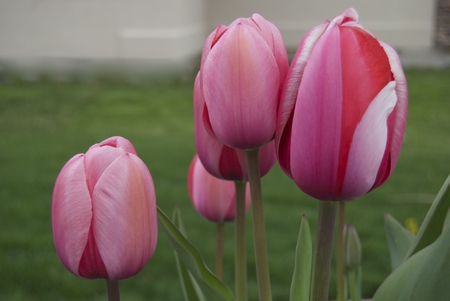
[340,253]
[112,288]
[219,250]
[323,250]
[240,243]
[259,231]
[354,284]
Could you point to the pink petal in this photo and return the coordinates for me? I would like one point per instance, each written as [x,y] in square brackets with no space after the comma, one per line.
[98,158]
[210,41]
[267,158]
[368,146]
[218,159]
[266,30]
[211,197]
[71,213]
[210,151]
[275,41]
[240,86]
[124,216]
[316,124]
[289,96]
[119,142]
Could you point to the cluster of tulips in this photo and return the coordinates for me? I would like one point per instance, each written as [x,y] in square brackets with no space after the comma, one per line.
[334,120]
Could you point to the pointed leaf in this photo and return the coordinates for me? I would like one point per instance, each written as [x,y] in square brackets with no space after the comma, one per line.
[423,276]
[399,240]
[191,290]
[432,225]
[301,280]
[211,286]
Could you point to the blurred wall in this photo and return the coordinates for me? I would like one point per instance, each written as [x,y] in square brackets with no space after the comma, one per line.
[107,35]
[400,23]
[61,36]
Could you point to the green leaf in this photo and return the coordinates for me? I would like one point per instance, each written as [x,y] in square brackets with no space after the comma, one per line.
[211,286]
[423,276]
[301,281]
[432,225]
[399,240]
[191,290]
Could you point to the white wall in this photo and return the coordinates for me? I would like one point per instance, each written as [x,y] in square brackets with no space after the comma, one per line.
[129,35]
[400,23]
[100,34]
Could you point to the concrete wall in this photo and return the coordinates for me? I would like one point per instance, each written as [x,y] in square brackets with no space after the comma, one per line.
[400,23]
[107,35]
[122,36]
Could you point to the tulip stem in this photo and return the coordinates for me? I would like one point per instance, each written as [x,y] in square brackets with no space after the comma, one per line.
[112,288]
[240,243]
[259,231]
[219,250]
[340,277]
[323,250]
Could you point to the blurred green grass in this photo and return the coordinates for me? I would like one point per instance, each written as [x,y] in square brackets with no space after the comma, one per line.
[43,124]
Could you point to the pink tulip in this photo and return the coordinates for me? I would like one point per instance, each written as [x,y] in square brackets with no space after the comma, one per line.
[104,212]
[342,113]
[242,71]
[212,197]
[220,160]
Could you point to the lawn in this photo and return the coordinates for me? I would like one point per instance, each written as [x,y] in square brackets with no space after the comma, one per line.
[43,124]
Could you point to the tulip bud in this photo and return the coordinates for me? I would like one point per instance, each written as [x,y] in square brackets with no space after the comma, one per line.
[352,248]
[220,160]
[342,113]
[212,197]
[104,212]
[242,71]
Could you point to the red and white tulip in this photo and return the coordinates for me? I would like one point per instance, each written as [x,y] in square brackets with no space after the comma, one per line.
[342,113]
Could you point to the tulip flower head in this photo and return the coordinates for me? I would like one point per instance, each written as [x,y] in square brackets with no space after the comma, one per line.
[222,161]
[104,212]
[342,112]
[242,71]
[212,197]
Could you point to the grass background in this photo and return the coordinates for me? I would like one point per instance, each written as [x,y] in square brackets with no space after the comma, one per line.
[43,124]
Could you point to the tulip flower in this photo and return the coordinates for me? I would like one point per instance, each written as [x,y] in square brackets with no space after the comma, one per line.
[342,112]
[222,201]
[212,197]
[104,212]
[220,160]
[242,71]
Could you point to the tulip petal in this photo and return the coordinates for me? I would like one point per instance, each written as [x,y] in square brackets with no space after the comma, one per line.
[398,118]
[316,124]
[210,41]
[210,151]
[124,216]
[240,80]
[211,197]
[275,41]
[289,96]
[98,158]
[121,143]
[365,71]
[369,142]
[71,213]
